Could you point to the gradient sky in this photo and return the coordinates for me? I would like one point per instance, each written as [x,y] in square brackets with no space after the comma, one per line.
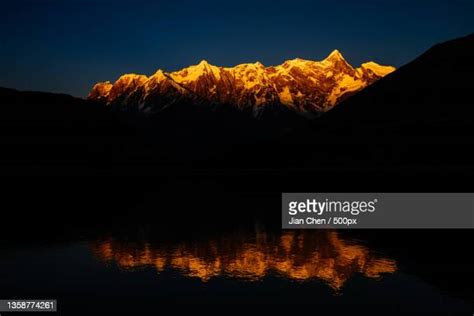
[67,46]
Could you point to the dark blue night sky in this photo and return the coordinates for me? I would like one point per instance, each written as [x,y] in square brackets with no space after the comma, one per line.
[66,46]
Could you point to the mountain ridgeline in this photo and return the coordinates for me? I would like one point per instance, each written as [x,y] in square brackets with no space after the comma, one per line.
[430,95]
[301,85]
[403,122]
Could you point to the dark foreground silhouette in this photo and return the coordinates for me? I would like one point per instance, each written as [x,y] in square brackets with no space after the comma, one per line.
[73,172]
[417,119]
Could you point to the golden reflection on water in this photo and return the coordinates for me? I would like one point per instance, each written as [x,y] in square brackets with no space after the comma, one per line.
[295,255]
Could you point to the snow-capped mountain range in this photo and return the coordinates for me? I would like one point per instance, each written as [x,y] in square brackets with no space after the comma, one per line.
[297,84]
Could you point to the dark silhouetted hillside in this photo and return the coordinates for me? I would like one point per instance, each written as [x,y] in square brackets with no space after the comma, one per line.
[432,94]
[48,114]
[46,131]
[416,120]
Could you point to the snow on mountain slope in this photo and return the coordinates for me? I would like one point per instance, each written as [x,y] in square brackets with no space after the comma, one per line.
[298,84]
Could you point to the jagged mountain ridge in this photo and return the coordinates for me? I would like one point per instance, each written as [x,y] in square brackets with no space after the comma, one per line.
[433,90]
[298,84]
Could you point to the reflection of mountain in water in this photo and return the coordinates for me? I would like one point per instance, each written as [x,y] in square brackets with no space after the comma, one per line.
[300,256]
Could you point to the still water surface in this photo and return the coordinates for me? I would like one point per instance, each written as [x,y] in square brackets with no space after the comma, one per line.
[294,256]
[114,272]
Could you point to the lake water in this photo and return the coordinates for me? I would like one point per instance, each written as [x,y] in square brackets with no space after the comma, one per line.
[130,271]
[132,246]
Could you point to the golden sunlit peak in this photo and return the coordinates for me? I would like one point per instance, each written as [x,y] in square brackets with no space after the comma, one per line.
[103,84]
[203,63]
[245,65]
[298,83]
[379,70]
[296,62]
[159,74]
[335,55]
[132,77]
[100,90]
[297,59]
